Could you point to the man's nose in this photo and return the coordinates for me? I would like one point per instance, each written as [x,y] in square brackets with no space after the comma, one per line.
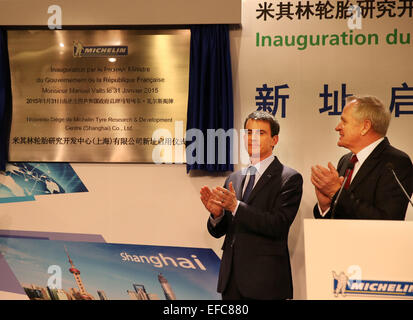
[255,137]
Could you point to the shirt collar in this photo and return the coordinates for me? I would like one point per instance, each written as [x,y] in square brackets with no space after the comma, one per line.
[363,154]
[263,164]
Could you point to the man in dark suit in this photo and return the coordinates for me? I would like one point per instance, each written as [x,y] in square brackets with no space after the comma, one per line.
[254,211]
[371,190]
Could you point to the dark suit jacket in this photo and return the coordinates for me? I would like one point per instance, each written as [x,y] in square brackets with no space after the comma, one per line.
[255,247]
[374,192]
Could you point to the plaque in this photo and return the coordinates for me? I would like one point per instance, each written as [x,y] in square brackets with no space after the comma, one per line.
[99,95]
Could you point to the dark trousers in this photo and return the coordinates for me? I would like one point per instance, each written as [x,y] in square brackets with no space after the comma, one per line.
[231,291]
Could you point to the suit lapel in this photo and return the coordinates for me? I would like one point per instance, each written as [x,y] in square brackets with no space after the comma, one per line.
[268,174]
[369,164]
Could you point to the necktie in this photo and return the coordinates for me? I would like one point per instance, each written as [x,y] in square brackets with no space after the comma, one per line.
[353,160]
[252,170]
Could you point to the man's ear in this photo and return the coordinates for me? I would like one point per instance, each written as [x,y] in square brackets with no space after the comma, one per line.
[366,127]
[274,140]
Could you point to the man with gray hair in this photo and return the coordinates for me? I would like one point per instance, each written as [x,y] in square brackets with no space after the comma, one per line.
[364,186]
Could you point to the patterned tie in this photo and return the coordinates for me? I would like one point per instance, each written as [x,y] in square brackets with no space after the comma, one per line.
[252,170]
[353,160]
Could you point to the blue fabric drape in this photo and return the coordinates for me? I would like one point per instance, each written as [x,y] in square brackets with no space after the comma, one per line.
[210,100]
[5,100]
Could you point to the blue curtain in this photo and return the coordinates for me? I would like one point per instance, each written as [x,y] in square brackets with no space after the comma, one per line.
[5,100]
[210,100]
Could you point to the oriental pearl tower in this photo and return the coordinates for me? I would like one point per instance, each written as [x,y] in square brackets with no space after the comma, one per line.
[83,294]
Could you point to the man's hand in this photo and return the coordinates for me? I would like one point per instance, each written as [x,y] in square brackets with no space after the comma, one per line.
[326,181]
[323,201]
[210,204]
[226,198]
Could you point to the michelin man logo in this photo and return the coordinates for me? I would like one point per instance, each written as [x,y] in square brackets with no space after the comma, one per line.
[342,281]
[345,280]
[77,49]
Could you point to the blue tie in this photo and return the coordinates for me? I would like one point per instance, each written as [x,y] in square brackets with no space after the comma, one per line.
[252,170]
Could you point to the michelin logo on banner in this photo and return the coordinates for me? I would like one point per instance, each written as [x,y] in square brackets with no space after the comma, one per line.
[80,51]
[344,285]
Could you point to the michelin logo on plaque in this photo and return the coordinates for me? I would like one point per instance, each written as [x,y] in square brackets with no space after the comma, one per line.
[80,51]
[344,285]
